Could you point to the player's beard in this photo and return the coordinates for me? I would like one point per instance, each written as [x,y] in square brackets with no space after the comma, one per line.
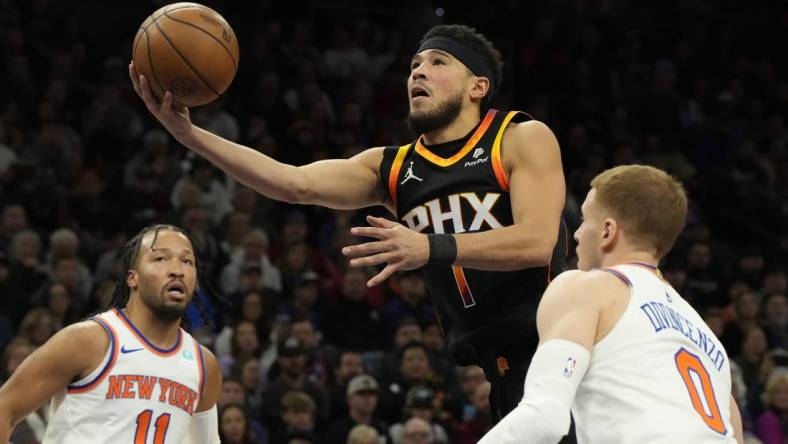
[163,311]
[439,117]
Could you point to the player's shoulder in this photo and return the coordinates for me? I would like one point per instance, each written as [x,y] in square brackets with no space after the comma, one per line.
[81,339]
[593,286]
[529,140]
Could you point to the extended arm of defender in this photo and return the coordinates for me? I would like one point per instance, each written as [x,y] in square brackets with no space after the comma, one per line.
[204,424]
[73,351]
[538,192]
[338,183]
[567,321]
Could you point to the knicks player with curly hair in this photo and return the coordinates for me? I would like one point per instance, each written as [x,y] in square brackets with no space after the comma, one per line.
[477,198]
[130,374]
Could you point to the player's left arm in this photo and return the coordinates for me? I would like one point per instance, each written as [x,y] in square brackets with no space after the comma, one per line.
[568,321]
[537,189]
[538,192]
[204,425]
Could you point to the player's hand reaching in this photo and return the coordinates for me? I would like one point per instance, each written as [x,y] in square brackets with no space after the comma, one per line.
[399,247]
[173,116]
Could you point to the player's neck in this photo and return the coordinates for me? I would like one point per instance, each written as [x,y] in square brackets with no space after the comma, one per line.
[461,126]
[623,257]
[161,334]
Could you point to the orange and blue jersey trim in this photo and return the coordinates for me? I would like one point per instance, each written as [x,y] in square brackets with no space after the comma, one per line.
[617,274]
[201,368]
[113,357]
[653,268]
[497,162]
[145,342]
[444,162]
[396,166]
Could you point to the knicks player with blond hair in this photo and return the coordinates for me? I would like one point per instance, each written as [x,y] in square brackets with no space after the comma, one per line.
[619,347]
[130,374]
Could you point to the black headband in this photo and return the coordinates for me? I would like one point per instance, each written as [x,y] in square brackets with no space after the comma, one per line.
[465,54]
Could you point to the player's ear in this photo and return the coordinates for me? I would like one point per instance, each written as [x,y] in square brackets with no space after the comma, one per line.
[609,233]
[479,87]
[132,278]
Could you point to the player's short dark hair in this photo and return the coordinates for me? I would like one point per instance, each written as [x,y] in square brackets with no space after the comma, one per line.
[479,43]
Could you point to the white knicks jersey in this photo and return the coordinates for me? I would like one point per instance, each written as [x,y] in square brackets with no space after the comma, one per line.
[659,376]
[140,394]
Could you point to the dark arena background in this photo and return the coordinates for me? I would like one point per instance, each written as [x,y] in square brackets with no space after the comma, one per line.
[698,88]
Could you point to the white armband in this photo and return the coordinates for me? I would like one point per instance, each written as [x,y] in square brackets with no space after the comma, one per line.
[203,428]
[542,417]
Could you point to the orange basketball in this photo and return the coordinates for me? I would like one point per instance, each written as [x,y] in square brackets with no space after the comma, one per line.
[187,49]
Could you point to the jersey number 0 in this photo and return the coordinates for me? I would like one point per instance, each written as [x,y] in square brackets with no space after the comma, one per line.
[688,363]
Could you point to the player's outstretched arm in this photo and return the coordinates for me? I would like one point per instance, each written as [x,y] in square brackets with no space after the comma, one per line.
[567,321]
[204,425]
[70,354]
[538,192]
[339,183]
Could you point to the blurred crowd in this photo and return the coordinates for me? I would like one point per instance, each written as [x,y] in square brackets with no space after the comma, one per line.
[309,354]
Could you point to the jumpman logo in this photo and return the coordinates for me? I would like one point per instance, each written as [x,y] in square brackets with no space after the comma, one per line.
[409,175]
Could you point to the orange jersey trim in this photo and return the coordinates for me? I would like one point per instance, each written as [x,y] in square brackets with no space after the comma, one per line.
[440,161]
[497,162]
[201,368]
[462,286]
[113,337]
[145,342]
[396,166]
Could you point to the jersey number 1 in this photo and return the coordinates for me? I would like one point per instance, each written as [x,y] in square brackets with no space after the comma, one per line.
[143,425]
[462,286]
[687,362]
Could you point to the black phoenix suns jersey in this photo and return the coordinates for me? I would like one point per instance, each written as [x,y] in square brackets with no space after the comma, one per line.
[463,193]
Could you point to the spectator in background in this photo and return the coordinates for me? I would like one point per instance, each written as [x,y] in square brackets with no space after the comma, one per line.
[475,425]
[37,326]
[363,434]
[13,354]
[418,431]
[214,196]
[64,243]
[702,280]
[776,322]
[366,332]
[58,301]
[245,344]
[772,425]
[753,350]
[747,311]
[14,220]
[26,273]
[254,251]
[303,329]
[407,331]
[291,363]
[233,393]
[306,298]
[298,414]
[362,399]
[420,404]
[349,365]
[411,300]
[234,426]
[252,307]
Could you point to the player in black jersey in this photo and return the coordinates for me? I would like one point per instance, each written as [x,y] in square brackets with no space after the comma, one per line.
[478,198]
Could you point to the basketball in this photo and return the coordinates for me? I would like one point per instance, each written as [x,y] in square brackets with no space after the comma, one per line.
[187,49]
